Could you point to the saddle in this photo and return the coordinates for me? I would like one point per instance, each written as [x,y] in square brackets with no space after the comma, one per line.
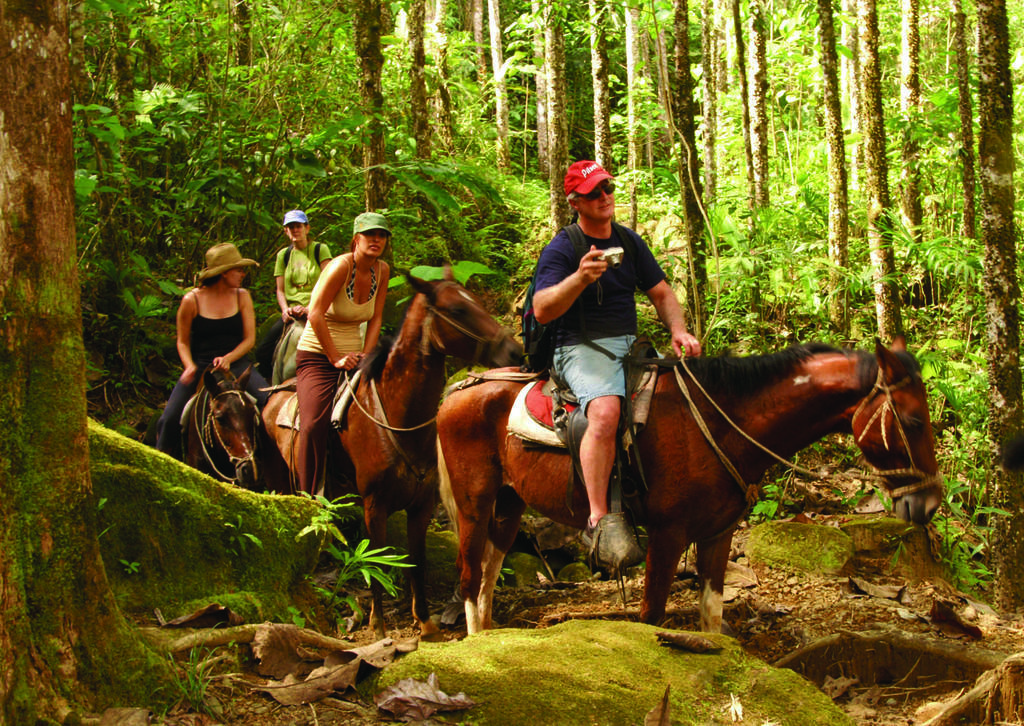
[288,415]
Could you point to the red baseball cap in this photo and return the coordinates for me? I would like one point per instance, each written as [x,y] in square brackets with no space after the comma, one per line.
[583,176]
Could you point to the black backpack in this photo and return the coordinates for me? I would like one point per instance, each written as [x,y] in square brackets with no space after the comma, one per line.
[318,249]
[538,338]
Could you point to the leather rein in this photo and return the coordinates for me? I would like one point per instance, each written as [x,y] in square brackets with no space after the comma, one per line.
[209,431]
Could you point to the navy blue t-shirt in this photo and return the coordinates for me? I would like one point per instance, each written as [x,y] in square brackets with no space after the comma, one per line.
[609,305]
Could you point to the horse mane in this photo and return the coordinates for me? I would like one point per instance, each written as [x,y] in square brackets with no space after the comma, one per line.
[372,366]
[748,374]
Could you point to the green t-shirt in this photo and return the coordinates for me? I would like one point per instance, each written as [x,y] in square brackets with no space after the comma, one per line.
[302,272]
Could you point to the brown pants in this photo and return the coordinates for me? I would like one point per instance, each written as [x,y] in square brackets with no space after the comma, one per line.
[316,381]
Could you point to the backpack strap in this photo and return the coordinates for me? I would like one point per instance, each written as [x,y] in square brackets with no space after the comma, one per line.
[317,254]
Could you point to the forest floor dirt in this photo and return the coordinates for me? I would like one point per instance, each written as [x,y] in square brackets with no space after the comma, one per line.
[770,612]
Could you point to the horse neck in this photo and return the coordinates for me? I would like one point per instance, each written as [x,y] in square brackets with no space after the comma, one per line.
[413,377]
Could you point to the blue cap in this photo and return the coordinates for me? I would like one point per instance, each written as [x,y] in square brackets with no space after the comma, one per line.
[296,215]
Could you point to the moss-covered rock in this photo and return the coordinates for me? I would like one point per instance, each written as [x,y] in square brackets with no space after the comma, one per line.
[175,539]
[594,672]
[803,547]
[899,546]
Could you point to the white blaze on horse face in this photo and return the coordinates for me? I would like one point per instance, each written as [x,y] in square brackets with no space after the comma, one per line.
[710,610]
[466,295]
[801,380]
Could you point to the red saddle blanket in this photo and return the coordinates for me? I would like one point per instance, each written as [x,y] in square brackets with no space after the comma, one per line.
[540,406]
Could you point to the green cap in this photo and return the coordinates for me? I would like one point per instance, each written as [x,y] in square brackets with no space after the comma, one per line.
[370,220]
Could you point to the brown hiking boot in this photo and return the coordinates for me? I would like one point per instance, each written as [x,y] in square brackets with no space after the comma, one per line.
[612,544]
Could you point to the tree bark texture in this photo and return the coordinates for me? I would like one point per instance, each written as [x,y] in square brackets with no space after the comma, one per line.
[741,71]
[632,102]
[759,102]
[1002,290]
[876,184]
[850,69]
[539,53]
[419,104]
[500,96]
[689,169]
[442,97]
[241,27]
[710,60]
[838,202]
[480,40]
[598,11]
[368,25]
[966,113]
[63,641]
[910,106]
[558,123]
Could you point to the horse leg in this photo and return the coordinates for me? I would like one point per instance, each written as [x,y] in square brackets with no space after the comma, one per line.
[493,558]
[508,512]
[376,518]
[417,522]
[665,545]
[712,559]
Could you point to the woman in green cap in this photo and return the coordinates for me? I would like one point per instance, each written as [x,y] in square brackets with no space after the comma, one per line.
[350,292]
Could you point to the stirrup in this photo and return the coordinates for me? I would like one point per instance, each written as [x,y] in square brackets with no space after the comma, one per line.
[612,544]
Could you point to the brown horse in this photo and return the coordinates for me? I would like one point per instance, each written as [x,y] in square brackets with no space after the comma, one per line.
[222,431]
[779,404]
[385,450]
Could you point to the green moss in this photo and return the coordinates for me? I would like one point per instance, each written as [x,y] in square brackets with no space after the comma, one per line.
[590,672]
[802,547]
[175,539]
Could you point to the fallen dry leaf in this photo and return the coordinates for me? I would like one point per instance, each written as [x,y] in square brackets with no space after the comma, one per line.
[944,616]
[837,687]
[660,715]
[281,652]
[887,592]
[687,641]
[413,700]
[321,683]
[210,616]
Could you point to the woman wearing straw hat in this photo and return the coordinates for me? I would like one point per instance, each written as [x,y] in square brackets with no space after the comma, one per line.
[216,326]
[350,292]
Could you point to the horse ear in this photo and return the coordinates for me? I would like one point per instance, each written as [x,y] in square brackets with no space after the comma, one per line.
[892,367]
[448,274]
[243,380]
[210,381]
[417,284]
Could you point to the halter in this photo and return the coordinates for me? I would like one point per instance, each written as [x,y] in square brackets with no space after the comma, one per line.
[430,338]
[924,481]
[209,431]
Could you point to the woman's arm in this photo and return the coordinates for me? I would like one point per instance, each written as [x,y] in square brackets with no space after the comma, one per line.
[282,301]
[186,314]
[324,292]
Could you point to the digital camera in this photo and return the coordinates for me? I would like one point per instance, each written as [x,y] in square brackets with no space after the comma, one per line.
[613,256]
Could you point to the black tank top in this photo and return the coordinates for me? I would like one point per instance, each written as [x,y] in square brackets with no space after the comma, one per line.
[214,337]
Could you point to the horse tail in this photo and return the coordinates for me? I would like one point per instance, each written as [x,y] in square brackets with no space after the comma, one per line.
[445,486]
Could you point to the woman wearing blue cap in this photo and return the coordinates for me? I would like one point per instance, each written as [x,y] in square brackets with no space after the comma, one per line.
[350,292]
[296,270]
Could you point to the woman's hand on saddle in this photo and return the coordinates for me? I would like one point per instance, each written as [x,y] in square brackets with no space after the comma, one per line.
[348,361]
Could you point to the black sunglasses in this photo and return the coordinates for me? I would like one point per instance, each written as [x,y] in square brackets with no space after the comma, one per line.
[607,188]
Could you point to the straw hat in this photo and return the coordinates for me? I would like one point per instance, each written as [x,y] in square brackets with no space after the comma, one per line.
[223,257]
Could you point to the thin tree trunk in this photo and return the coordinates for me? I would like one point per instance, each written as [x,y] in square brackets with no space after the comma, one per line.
[1002,291]
[741,71]
[710,61]
[689,170]
[241,23]
[539,53]
[910,105]
[442,98]
[598,11]
[759,103]
[368,25]
[558,123]
[838,210]
[419,105]
[62,636]
[480,40]
[876,183]
[632,114]
[851,89]
[500,96]
[966,112]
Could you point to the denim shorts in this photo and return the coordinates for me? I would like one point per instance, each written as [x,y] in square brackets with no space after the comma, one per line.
[589,372]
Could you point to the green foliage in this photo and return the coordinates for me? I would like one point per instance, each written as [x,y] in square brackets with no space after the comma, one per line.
[192,679]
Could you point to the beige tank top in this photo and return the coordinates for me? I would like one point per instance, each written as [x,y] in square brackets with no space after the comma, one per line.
[344,318]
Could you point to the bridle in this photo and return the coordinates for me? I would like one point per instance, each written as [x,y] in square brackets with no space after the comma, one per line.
[430,337]
[209,431]
[886,410]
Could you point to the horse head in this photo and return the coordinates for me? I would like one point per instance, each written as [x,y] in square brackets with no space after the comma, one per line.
[230,423]
[893,429]
[459,325]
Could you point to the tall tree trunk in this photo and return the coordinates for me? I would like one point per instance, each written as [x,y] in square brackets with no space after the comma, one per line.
[419,104]
[241,28]
[876,183]
[632,101]
[838,210]
[598,11]
[689,169]
[539,53]
[741,71]
[500,96]
[558,123]
[710,60]
[480,40]
[368,22]
[966,112]
[851,89]
[1002,292]
[759,102]
[910,106]
[443,98]
[63,642]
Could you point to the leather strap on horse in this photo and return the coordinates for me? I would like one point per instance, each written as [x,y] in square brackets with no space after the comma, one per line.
[209,430]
